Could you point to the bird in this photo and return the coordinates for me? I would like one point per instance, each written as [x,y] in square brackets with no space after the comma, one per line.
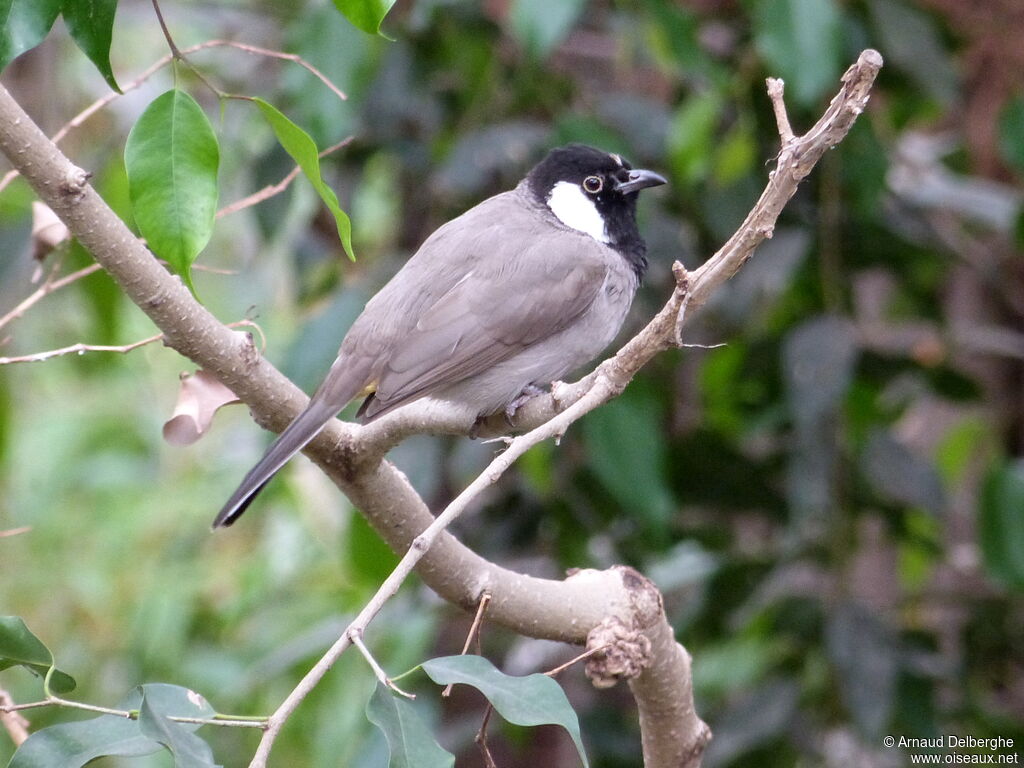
[515,293]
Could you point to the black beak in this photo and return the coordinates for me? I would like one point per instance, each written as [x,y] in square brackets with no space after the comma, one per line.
[638,180]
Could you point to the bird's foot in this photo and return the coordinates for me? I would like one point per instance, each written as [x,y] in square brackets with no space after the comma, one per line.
[529,392]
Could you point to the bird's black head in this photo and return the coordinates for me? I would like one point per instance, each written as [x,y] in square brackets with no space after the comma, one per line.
[595,192]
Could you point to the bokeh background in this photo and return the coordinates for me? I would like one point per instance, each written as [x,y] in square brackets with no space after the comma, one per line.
[828,488]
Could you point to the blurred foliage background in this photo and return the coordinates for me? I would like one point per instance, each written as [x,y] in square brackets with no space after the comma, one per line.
[830,493]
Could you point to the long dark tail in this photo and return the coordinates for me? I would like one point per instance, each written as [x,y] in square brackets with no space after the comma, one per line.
[333,395]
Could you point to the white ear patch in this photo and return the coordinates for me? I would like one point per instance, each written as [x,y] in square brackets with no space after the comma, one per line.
[574,209]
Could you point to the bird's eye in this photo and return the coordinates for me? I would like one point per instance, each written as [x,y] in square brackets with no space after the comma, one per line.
[593,184]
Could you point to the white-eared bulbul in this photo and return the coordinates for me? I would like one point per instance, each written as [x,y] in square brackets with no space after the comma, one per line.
[515,293]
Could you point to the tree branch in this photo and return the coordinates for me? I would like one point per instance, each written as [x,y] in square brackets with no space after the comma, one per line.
[617,601]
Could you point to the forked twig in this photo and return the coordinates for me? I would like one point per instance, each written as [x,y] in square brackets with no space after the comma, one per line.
[474,633]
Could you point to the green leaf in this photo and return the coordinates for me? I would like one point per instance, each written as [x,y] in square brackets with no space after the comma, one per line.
[691,137]
[171,158]
[735,154]
[913,42]
[91,24]
[626,444]
[302,148]
[189,750]
[531,700]
[370,557]
[540,25]
[1001,524]
[411,743]
[71,745]
[366,15]
[800,42]
[23,25]
[1011,134]
[18,646]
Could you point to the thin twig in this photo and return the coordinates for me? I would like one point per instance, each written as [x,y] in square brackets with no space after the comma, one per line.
[80,348]
[575,660]
[776,90]
[179,56]
[474,633]
[229,721]
[44,290]
[481,738]
[378,670]
[133,714]
[292,57]
[15,725]
[12,707]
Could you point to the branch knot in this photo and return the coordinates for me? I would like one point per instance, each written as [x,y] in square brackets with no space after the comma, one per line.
[626,652]
[73,184]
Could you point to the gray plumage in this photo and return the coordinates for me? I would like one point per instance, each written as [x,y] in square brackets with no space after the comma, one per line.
[503,297]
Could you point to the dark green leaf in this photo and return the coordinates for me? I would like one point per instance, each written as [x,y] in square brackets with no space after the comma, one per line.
[366,15]
[23,25]
[900,474]
[302,148]
[626,444]
[531,700]
[171,158]
[411,743]
[540,25]
[70,745]
[91,24]
[189,750]
[370,557]
[1001,524]
[864,653]
[1011,134]
[800,42]
[18,646]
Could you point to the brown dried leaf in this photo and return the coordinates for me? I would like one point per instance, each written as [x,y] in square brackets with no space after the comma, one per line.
[48,231]
[198,400]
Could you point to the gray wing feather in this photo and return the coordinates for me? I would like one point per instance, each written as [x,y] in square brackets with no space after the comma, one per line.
[494,312]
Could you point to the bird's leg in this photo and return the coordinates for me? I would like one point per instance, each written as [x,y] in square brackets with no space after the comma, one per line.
[474,431]
[529,392]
